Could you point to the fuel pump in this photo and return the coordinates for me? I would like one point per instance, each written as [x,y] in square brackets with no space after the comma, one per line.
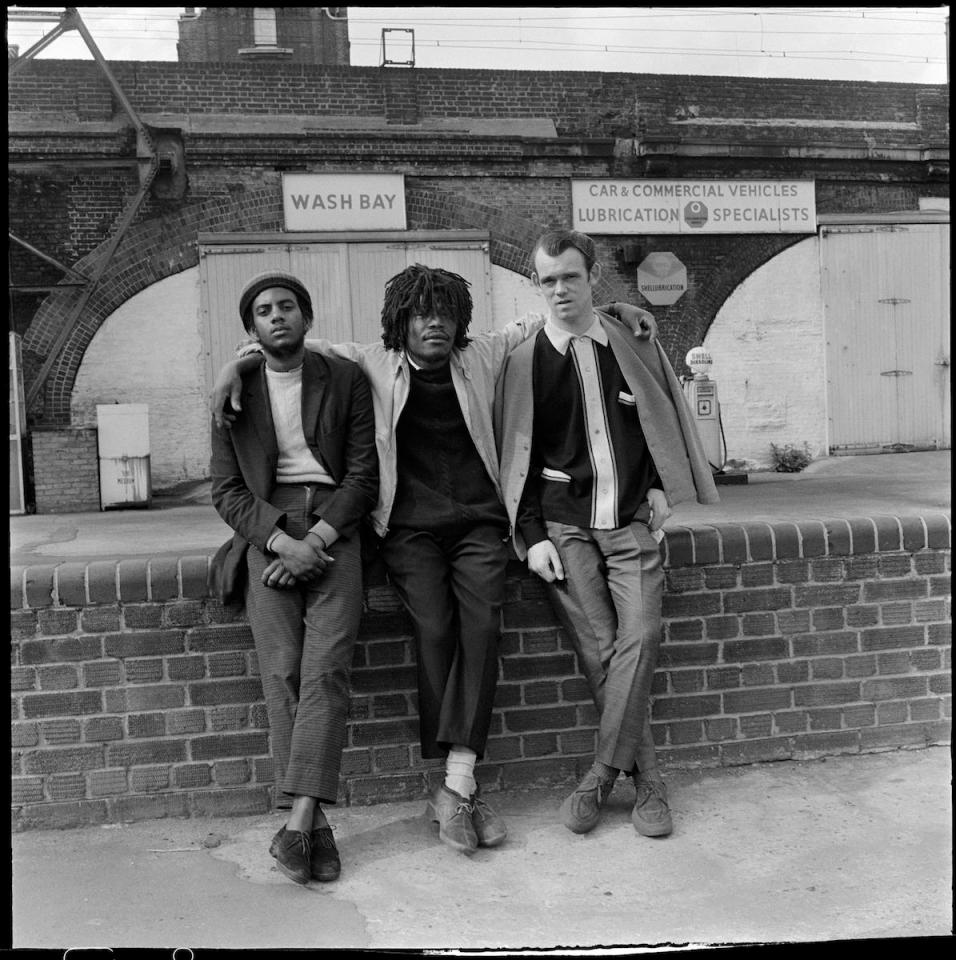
[701,395]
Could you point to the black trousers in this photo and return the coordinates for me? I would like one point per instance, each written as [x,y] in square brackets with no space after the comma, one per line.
[452,587]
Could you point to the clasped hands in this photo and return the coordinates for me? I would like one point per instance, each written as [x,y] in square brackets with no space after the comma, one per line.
[297,560]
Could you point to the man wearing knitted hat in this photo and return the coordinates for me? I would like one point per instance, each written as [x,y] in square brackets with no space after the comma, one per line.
[444,529]
[294,476]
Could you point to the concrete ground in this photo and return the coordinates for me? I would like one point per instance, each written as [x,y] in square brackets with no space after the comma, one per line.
[183,522]
[848,848]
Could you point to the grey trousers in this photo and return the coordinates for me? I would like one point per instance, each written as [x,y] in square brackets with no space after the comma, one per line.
[304,643]
[610,605]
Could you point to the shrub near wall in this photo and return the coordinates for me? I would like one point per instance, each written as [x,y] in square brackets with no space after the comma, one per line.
[135,695]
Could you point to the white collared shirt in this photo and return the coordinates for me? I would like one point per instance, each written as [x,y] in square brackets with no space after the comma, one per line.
[560,338]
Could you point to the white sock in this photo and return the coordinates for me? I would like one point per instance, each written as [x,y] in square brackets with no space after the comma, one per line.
[460,770]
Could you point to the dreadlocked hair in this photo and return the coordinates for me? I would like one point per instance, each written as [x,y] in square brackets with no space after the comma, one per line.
[422,291]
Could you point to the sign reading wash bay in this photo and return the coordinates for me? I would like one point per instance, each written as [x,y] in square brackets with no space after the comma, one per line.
[343,201]
[693,206]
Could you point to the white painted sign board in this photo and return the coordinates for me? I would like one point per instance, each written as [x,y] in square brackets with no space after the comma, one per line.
[693,206]
[343,201]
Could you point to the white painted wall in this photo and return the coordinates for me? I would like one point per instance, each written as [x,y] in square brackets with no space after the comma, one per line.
[150,351]
[767,344]
[768,349]
[512,296]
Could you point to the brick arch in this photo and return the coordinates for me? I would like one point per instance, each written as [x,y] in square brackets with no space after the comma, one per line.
[163,246]
[151,251]
[717,265]
[512,236]
[722,263]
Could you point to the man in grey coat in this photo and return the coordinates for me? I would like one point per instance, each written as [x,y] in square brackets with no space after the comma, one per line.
[596,444]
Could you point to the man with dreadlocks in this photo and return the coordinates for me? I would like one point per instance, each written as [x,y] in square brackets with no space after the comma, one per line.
[440,515]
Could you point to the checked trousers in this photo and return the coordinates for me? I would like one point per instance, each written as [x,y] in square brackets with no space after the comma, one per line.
[304,640]
[610,605]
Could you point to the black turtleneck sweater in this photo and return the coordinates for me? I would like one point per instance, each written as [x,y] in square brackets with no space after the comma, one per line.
[443,486]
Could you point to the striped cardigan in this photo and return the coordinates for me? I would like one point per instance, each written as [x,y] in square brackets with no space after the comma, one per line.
[666,419]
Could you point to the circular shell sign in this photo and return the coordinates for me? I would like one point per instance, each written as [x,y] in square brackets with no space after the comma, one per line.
[661,278]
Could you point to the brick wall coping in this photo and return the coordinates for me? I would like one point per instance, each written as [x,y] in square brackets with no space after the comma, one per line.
[134,580]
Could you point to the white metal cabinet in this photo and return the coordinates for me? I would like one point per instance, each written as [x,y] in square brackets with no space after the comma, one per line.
[123,447]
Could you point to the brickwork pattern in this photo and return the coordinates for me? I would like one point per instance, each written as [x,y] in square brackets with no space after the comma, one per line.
[135,695]
[603,121]
[66,465]
[217,34]
[612,104]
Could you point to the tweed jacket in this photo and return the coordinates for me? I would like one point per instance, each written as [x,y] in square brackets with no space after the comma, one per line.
[474,372]
[666,420]
[338,423]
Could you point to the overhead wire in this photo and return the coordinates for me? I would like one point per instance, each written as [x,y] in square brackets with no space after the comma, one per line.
[158,27]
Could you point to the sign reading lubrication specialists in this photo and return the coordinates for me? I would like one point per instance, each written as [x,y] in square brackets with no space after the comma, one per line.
[693,206]
[343,201]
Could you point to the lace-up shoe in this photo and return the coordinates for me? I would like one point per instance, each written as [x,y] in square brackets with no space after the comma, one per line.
[582,810]
[292,850]
[326,865]
[452,812]
[651,815]
[490,829]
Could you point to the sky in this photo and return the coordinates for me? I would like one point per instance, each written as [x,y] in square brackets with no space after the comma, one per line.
[895,44]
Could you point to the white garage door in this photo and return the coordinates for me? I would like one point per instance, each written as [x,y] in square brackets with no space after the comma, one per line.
[346,279]
[886,307]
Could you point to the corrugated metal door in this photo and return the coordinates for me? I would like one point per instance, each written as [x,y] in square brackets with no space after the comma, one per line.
[471,261]
[226,269]
[371,265]
[886,303]
[346,280]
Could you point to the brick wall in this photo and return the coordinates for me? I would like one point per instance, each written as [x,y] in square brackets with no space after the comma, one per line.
[66,471]
[135,695]
[862,143]
[613,104]
[217,34]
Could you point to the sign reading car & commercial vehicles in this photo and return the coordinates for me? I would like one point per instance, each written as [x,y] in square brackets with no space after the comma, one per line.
[693,206]
[343,201]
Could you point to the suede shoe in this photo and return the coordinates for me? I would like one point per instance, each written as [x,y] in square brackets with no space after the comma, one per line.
[651,816]
[452,812]
[292,850]
[582,810]
[490,829]
[326,865]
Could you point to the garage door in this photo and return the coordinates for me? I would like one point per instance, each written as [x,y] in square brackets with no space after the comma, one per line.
[886,303]
[345,278]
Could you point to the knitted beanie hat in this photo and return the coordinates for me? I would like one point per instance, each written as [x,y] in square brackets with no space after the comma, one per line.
[273,278]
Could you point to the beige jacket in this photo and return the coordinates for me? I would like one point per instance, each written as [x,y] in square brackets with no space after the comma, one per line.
[474,371]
